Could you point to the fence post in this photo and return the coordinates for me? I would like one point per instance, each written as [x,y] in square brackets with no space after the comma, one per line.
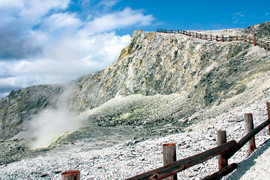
[222,38]
[268,113]
[236,38]
[216,39]
[221,139]
[205,36]
[169,156]
[210,37]
[71,175]
[249,128]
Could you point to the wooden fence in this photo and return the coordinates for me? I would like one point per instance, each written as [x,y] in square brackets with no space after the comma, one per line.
[224,150]
[209,37]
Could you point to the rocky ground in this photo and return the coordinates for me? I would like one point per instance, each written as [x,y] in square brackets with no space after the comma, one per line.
[126,159]
[163,88]
[158,79]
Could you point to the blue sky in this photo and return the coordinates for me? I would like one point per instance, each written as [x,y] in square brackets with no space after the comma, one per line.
[56,41]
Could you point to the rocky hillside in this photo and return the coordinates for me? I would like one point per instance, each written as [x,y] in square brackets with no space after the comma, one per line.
[19,105]
[162,83]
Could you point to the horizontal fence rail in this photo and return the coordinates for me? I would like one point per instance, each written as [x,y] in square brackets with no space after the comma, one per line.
[182,164]
[245,139]
[225,151]
[223,172]
[209,37]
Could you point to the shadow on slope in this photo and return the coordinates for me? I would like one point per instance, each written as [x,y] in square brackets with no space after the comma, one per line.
[247,164]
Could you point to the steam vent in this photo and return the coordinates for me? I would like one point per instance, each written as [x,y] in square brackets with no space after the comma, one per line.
[162,84]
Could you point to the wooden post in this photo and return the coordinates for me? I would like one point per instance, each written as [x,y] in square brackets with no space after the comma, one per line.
[222,38]
[205,37]
[216,39]
[71,175]
[196,35]
[221,138]
[249,128]
[200,36]
[169,157]
[236,37]
[182,164]
[268,113]
[210,37]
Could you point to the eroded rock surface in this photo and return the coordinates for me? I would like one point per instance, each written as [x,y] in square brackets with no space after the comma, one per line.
[162,83]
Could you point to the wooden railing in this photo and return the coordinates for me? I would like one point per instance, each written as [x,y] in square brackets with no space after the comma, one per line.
[209,37]
[224,150]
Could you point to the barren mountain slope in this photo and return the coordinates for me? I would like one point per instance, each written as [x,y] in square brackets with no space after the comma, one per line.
[161,83]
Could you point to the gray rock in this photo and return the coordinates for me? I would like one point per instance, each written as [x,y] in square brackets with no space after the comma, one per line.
[157,80]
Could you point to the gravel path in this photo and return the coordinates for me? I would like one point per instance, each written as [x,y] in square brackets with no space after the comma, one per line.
[133,157]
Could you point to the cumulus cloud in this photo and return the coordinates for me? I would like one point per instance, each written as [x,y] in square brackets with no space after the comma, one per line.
[121,19]
[18,17]
[44,42]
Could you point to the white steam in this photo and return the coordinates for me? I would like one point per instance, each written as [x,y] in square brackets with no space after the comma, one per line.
[50,123]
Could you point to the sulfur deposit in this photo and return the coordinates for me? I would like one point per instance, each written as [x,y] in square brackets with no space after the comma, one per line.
[160,84]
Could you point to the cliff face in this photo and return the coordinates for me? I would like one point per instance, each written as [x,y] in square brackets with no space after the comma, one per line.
[19,105]
[160,80]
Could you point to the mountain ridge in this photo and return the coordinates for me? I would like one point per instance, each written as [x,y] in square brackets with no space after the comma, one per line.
[161,82]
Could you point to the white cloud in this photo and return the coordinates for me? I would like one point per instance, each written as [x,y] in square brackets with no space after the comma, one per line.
[236,21]
[46,71]
[121,19]
[108,3]
[60,20]
[236,17]
[42,44]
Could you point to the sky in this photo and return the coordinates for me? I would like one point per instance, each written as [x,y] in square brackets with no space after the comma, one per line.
[56,41]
